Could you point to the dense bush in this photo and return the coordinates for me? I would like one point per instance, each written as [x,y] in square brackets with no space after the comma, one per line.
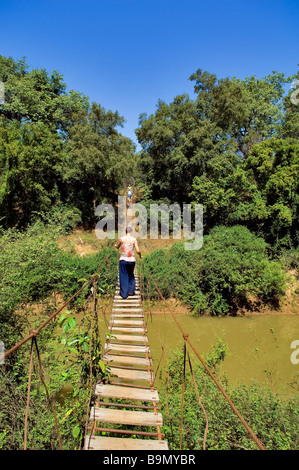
[290,259]
[64,345]
[32,267]
[230,271]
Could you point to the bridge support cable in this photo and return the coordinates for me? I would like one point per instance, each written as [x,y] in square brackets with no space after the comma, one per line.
[94,320]
[199,400]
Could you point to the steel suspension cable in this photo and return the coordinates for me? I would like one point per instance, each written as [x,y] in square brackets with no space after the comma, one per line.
[28,395]
[94,318]
[183,395]
[47,393]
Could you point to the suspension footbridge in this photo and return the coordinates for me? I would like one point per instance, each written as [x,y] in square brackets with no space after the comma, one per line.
[130,399]
[124,411]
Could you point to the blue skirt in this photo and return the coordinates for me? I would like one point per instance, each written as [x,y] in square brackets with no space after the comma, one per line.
[126,278]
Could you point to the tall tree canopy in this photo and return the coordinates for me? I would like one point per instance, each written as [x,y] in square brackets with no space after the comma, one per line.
[185,138]
[249,110]
[208,150]
[55,147]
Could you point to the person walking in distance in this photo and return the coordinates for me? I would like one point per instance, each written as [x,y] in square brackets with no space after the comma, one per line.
[127,262]
[130,194]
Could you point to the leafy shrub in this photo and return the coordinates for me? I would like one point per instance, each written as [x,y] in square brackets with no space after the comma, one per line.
[66,362]
[290,259]
[272,418]
[230,269]
[77,269]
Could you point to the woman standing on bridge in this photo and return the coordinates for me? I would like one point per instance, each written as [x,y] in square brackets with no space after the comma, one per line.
[127,263]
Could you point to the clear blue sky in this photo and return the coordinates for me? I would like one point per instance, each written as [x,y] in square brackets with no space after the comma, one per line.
[128,54]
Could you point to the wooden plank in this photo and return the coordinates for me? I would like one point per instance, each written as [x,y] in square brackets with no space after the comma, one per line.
[128,322]
[123,313]
[134,418]
[137,361]
[126,307]
[128,318]
[132,374]
[137,292]
[126,393]
[121,304]
[127,348]
[117,443]
[134,338]
[126,315]
[127,310]
[127,300]
[131,297]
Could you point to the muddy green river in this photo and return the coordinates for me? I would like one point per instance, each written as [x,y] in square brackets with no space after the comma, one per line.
[259,347]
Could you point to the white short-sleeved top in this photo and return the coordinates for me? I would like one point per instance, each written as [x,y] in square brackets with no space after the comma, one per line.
[127,248]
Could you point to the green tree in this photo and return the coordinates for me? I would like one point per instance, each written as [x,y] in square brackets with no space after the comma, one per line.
[261,193]
[55,148]
[273,166]
[231,271]
[98,159]
[209,136]
[290,123]
[177,145]
[38,96]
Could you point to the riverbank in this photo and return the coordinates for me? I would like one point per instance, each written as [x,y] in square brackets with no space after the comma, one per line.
[85,243]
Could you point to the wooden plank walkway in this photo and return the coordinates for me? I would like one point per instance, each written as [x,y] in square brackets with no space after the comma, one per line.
[129,401]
